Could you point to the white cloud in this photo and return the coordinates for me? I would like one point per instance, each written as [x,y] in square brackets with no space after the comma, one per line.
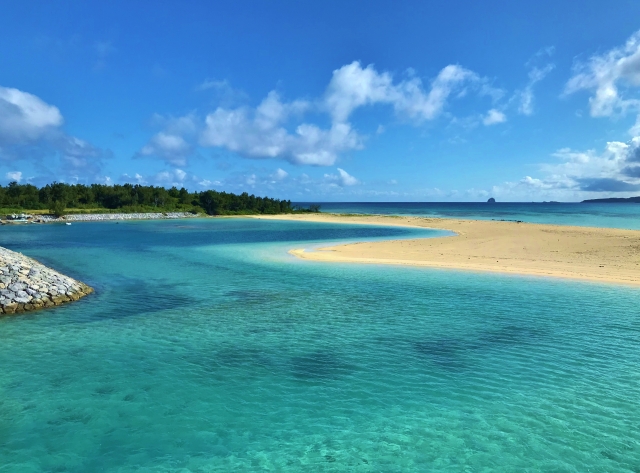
[171,144]
[353,86]
[14,176]
[79,155]
[526,96]
[25,117]
[171,148]
[343,178]
[582,174]
[137,179]
[610,77]
[31,130]
[261,133]
[280,174]
[494,117]
[275,129]
[175,177]
[169,178]
[213,84]
[607,76]
[615,171]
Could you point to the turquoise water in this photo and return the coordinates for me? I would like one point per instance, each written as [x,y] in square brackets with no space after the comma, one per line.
[589,215]
[207,348]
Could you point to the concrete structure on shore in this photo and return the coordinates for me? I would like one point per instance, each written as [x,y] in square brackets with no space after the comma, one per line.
[28,285]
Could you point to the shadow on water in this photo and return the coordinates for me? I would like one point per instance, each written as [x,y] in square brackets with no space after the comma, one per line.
[249,296]
[455,354]
[216,362]
[313,366]
[511,335]
[319,365]
[239,356]
[136,297]
[446,353]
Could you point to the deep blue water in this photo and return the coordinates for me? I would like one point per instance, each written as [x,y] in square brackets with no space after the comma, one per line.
[590,215]
[206,347]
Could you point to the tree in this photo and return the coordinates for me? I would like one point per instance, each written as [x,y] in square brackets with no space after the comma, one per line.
[210,202]
[57,208]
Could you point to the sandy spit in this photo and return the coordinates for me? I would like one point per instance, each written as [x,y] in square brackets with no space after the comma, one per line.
[603,255]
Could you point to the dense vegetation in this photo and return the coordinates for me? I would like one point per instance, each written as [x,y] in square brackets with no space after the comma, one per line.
[58,198]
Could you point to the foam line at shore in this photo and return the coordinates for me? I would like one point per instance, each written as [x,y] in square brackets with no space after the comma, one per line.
[582,253]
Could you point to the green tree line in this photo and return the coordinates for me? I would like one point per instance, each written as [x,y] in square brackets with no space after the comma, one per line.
[57,197]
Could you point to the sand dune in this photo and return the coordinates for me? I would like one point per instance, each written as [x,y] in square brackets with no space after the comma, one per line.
[594,254]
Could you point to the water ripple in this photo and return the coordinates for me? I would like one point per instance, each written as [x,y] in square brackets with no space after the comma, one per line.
[219,358]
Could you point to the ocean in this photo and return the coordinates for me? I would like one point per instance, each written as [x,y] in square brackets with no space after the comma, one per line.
[208,348]
[626,215]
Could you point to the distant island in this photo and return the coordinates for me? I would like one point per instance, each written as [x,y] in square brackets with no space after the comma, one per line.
[613,200]
[60,199]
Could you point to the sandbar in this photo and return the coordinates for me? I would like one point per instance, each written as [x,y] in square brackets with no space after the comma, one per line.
[605,255]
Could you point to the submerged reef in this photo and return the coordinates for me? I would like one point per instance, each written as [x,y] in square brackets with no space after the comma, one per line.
[26,284]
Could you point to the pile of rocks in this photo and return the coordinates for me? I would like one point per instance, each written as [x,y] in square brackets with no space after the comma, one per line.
[27,285]
[118,216]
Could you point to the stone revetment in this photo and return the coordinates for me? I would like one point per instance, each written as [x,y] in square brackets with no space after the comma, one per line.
[26,284]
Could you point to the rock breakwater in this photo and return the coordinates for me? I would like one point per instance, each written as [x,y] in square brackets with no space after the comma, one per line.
[26,284]
[114,216]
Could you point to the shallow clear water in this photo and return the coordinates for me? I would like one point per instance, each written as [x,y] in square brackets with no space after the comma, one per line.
[589,215]
[208,348]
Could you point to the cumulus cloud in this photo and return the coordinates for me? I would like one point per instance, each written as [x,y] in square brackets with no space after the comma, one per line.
[494,117]
[173,144]
[280,174]
[171,148]
[251,180]
[169,178]
[353,86]
[276,129]
[261,133]
[608,77]
[611,78]
[31,130]
[135,179]
[580,174]
[175,176]
[343,178]
[14,176]
[25,117]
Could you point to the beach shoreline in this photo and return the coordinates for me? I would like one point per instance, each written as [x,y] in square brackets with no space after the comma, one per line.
[604,255]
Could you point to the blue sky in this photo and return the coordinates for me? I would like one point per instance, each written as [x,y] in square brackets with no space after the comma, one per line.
[326,101]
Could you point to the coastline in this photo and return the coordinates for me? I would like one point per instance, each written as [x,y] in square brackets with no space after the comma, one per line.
[604,255]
